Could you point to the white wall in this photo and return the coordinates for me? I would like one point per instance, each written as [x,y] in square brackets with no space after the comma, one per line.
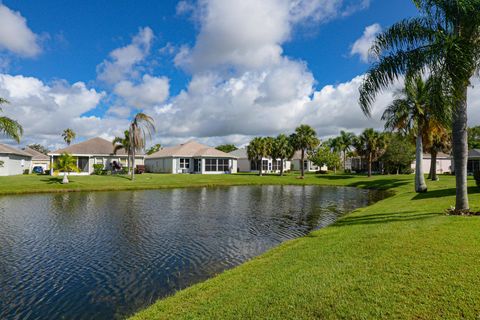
[14,164]
[443,165]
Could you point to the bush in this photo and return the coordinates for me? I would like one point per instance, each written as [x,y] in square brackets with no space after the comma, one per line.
[97,169]
[476,176]
[26,171]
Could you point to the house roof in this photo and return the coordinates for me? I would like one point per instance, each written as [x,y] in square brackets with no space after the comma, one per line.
[95,146]
[35,154]
[474,153]
[190,149]
[440,155]
[240,153]
[6,149]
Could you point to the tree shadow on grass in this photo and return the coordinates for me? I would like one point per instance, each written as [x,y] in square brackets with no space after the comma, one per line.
[385,218]
[443,193]
[380,184]
[52,180]
[336,177]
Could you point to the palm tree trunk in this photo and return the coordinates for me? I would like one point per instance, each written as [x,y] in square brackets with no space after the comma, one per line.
[302,164]
[128,161]
[420,185]
[369,165]
[65,178]
[433,166]
[460,151]
[260,167]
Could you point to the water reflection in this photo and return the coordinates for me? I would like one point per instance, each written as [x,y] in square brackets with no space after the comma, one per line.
[107,254]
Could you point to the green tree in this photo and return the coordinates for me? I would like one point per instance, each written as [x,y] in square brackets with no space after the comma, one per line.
[68,135]
[437,140]
[325,155]
[66,163]
[444,41]
[141,126]
[474,137]
[120,143]
[258,149]
[371,145]
[38,147]
[154,149]
[282,149]
[346,140]
[399,154]
[304,139]
[227,148]
[9,127]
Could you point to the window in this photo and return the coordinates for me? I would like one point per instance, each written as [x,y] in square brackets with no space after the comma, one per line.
[210,165]
[254,165]
[277,165]
[184,163]
[197,165]
[217,165]
[265,165]
[223,165]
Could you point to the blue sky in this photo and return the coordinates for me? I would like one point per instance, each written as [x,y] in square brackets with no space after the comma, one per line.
[214,70]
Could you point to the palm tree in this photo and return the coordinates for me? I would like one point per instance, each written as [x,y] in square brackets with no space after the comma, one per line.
[346,140]
[444,40]
[371,145]
[10,127]
[120,143]
[141,126]
[282,149]
[437,140]
[336,146]
[68,135]
[304,139]
[415,111]
[66,163]
[258,149]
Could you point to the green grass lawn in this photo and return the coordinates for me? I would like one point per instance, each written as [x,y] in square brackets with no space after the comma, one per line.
[402,257]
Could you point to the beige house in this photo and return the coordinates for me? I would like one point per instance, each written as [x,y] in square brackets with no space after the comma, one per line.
[309,166]
[38,159]
[13,161]
[444,163]
[95,151]
[269,165]
[191,157]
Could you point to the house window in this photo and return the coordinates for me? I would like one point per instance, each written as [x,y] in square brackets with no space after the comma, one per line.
[223,165]
[184,163]
[305,164]
[210,165]
[217,165]
[277,165]
[265,165]
[197,165]
[254,165]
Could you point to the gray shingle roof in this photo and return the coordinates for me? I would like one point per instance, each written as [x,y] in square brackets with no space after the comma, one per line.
[240,153]
[474,153]
[95,146]
[190,149]
[35,154]
[6,149]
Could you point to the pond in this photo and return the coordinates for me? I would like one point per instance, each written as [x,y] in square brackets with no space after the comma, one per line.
[104,255]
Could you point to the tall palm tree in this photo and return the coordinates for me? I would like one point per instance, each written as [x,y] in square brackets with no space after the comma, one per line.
[282,149]
[415,111]
[141,126]
[66,163]
[304,139]
[120,143]
[10,127]
[437,140]
[258,149]
[346,142]
[444,40]
[68,135]
[371,145]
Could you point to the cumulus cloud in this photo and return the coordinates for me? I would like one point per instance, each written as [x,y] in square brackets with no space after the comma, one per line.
[150,91]
[122,61]
[15,35]
[362,46]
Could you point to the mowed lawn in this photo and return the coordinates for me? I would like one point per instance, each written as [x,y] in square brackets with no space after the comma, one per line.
[402,257]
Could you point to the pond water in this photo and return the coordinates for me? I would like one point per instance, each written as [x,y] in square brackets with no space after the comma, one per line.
[104,255]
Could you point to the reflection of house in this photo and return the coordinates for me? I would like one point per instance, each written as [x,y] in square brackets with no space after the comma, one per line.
[13,161]
[94,151]
[309,166]
[191,157]
[444,163]
[473,160]
[268,164]
[38,159]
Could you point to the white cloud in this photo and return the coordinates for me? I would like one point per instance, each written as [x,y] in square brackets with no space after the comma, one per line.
[15,35]
[151,91]
[362,46]
[122,61]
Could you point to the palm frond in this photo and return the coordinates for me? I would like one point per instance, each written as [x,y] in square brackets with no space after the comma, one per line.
[11,128]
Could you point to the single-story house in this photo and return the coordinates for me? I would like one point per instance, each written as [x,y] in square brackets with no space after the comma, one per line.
[38,159]
[309,166]
[473,163]
[269,165]
[191,157]
[13,161]
[444,163]
[95,151]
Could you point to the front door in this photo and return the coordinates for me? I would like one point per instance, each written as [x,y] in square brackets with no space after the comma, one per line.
[197,165]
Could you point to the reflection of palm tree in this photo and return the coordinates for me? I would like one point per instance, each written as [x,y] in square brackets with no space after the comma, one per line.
[10,127]
[444,41]
[140,126]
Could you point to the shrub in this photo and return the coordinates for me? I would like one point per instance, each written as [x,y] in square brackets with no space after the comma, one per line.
[97,169]
[26,171]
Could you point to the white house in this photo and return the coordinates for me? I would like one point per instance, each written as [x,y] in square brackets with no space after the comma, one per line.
[309,166]
[268,164]
[38,159]
[473,160]
[13,161]
[191,157]
[444,163]
[95,151]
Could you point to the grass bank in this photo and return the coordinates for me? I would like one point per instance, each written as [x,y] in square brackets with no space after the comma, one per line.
[399,258]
